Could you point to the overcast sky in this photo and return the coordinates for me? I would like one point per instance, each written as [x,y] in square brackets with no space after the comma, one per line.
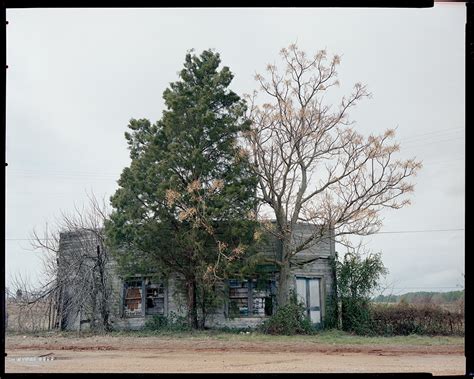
[76,77]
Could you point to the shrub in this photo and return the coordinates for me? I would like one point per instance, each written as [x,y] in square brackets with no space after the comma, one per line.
[405,319]
[288,320]
[172,323]
[357,276]
[331,319]
[357,316]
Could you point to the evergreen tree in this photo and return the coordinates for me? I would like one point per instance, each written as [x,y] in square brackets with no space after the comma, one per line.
[183,204]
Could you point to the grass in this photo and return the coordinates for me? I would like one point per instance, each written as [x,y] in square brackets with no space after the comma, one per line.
[336,337]
[329,337]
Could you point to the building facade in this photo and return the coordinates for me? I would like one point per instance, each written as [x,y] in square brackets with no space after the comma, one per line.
[137,298]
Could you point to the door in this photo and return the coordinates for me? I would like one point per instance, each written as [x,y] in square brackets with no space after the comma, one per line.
[308,292]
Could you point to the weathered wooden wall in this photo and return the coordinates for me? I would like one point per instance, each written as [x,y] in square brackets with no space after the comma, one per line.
[175,302]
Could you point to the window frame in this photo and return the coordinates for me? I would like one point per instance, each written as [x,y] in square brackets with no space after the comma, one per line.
[322,294]
[250,298]
[161,288]
[126,284]
[143,283]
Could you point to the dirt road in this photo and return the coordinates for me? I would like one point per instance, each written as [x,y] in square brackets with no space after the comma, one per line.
[166,354]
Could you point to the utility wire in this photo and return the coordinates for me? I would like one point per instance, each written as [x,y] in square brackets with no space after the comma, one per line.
[100,176]
[66,173]
[435,133]
[397,232]
[410,288]
[416,144]
[419,231]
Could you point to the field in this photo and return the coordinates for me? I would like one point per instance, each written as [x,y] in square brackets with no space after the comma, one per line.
[230,352]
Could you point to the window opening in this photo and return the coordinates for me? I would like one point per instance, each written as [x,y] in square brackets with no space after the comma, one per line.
[250,297]
[155,299]
[239,298]
[143,297]
[133,298]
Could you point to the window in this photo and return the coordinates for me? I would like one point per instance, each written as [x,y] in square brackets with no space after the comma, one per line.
[133,298]
[143,297]
[250,297]
[155,299]
[239,298]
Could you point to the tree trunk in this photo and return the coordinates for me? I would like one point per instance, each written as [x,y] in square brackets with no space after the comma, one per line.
[105,312]
[284,278]
[192,303]
[284,285]
[50,306]
[103,298]
[202,322]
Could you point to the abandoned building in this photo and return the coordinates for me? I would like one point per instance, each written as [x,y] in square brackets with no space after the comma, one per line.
[135,299]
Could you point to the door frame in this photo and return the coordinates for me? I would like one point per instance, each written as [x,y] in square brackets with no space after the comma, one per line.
[322,293]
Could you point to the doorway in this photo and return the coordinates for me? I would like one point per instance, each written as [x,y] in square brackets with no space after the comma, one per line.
[308,291]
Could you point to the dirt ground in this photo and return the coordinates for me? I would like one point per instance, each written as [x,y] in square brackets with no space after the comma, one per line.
[171,355]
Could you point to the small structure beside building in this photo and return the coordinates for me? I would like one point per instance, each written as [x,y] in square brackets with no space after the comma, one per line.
[246,303]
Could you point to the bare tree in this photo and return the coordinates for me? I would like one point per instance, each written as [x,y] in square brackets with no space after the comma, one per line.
[75,273]
[312,166]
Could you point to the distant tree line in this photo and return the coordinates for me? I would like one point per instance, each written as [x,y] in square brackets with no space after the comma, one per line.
[422,297]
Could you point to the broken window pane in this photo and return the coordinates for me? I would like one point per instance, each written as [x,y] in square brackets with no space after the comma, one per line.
[250,298]
[239,298]
[268,306]
[133,298]
[262,297]
[155,299]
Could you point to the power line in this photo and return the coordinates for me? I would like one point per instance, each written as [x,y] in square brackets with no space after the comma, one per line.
[439,132]
[420,231]
[438,162]
[29,239]
[432,287]
[109,177]
[387,232]
[408,144]
[53,171]
[416,144]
